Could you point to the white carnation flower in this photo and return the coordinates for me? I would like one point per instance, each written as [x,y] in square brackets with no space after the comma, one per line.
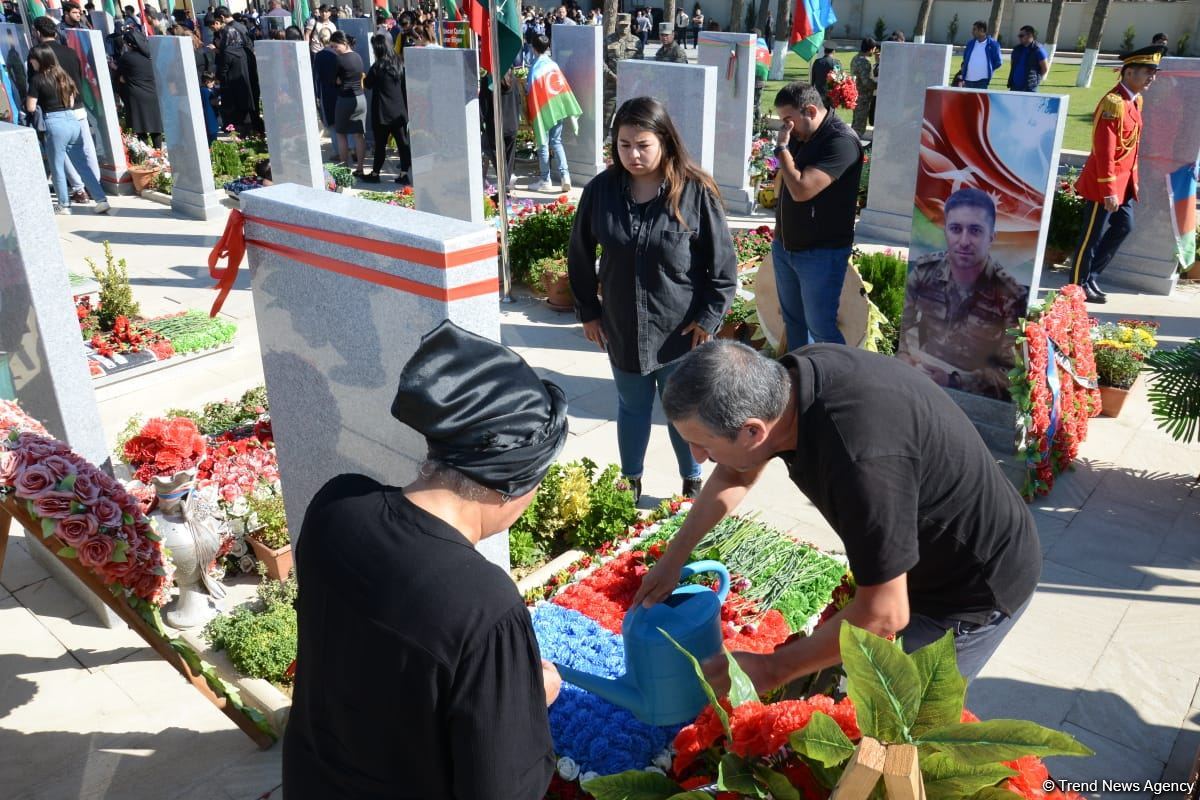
[588,776]
[568,770]
[663,761]
[655,769]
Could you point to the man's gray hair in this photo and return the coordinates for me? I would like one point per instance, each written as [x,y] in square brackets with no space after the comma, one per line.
[724,383]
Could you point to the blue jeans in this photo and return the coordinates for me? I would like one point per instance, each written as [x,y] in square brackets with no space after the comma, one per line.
[973,644]
[74,181]
[635,404]
[982,83]
[64,139]
[554,141]
[809,283]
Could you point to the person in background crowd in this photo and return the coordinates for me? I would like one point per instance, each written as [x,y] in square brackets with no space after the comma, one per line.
[981,58]
[561,17]
[277,9]
[681,26]
[350,114]
[762,69]
[668,49]
[667,267]
[896,36]
[206,54]
[293,34]
[244,28]
[1159,39]
[136,74]
[555,80]
[209,101]
[1109,180]
[72,19]
[510,117]
[769,30]
[130,17]
[620,45]
[821,161]
[400,37]
[1028,64]
[642,29]
[325,72]
[52,90]
[389,109]
[395,590]
[233,70]
[47,33]
[697,25]
[822,68]
[862,67]
[383,26]
[319,28]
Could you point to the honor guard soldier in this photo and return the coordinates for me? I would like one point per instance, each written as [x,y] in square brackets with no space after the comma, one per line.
[669,49]
[617,47]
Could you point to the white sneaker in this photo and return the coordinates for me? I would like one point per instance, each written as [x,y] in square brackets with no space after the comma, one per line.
[63,211]
[566,186]
[543,186]
[101,207]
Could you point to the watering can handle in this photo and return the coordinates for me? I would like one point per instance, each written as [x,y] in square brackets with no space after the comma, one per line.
[697,567]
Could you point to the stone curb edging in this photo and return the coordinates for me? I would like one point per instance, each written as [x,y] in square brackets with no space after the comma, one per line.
[256,692]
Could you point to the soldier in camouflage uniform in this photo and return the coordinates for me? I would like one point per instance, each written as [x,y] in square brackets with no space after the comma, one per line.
[959,304]
[864,80]
[669,49]
[617,47]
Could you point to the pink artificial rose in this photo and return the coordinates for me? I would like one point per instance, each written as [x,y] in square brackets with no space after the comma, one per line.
[61,467]
[55,505]
[107,513]
[10,465]
[76,529]
[86,489]
[147,585]
[96,551]
[34,481]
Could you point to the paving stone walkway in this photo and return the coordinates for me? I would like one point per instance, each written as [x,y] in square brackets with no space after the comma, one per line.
[1108,649]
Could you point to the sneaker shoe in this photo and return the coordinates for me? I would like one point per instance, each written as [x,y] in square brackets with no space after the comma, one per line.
[102,207]
[542,186]
[691,486]
[79,197]
[64,211]
[566,186]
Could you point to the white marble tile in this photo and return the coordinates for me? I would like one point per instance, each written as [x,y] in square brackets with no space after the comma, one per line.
[20,570]
[1113,542]
[1112,761]
[1005,691]
[48,599]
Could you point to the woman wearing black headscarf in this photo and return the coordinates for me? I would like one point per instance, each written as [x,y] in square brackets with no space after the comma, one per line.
[136,74]
[393,594]
[389,108]
[233,70]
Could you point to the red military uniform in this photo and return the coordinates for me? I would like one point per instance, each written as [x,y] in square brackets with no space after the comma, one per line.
[1111,170]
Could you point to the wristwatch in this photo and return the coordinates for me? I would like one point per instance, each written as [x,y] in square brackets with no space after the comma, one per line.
[779,150]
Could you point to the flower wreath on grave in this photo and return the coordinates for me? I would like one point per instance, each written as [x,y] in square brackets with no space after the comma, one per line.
[1053,387]
[85,514]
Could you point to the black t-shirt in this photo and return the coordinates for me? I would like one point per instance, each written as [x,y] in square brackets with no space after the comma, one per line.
[418,675]
[827,220]
[70,64]
[46,91]
[904,479]
[349,74]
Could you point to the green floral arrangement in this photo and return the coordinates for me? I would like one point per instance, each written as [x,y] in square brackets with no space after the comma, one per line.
[740,311]
[1066,215]
[116,295]
[754,244]
[885,275]
[226,161]
[268,520]
[342,176]
[193,331]
[1116,367]
[536,233]
[261,643]
[164,182]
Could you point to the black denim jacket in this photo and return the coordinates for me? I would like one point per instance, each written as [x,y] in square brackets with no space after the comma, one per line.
[656,276]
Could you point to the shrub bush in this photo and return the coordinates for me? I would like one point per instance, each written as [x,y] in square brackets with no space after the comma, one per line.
[226,160]
[261,644]
[269,519]
[1066,215]
[116,295]
[1117,368]
[886,273]
[543,232]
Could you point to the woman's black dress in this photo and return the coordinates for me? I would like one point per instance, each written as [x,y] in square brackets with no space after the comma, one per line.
[141,95]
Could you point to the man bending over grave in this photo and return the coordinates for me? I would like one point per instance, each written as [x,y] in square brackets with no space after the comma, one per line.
[937,537]
[959,304]
[418,674]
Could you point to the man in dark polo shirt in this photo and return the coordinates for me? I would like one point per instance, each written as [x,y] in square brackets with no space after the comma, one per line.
[820,159]
[937,537]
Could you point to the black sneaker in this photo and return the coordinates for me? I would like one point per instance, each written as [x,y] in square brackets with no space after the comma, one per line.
[691,486]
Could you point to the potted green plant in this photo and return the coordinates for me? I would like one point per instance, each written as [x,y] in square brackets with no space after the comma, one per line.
[1117,371]
[734,321]
[268,534]
[553,279]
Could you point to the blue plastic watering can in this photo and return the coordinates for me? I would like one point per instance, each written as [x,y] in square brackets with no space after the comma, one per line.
[660,685]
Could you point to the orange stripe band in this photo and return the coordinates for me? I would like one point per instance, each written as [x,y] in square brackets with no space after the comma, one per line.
[427,258]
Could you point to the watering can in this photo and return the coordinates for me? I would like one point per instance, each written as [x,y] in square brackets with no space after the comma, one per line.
[660,685]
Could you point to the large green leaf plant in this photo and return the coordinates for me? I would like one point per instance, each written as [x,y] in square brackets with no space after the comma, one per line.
[899,698]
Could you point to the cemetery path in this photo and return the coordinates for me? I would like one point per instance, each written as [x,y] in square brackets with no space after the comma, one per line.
[1106,651]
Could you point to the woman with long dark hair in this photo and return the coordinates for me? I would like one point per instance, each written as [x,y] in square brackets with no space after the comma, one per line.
[136,74]
[389,108]
[668,271]
[350,114]
[52,90]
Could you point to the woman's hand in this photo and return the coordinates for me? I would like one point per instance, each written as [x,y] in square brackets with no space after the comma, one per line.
[551,680]
[594,331]
[699,335]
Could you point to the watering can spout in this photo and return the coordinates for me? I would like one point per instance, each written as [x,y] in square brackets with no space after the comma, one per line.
[618,691]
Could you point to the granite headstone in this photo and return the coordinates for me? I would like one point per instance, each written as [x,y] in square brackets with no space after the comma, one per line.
[192,191]
[101,105]
[39,332]
[732,54]
[443,128]
[905,72]
[337,321]
[361,29]
[579,50]
[689,93]
[1170,140]
[290,113]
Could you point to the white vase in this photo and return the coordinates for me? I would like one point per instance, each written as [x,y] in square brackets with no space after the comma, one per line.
[193,536]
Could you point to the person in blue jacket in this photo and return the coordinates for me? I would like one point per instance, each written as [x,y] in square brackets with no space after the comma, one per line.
[209,100]
[981,58]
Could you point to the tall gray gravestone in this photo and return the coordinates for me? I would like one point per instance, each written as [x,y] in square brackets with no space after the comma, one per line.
[1170,140]
[443,128]
[689,93]
[337,322]
[192,191]
[905,72]
[290,112]
[733,56]
[39,332]
[101,105]
[579,51]
[361,30]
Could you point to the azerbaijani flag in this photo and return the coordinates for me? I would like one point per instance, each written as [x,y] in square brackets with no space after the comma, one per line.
[34,9]
[508,28]
[452,10]
[809,21]
[301,11]
[1181,188]
[550,99]
[762,60]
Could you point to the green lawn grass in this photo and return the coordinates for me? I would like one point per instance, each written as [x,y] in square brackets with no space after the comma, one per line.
[1061,80]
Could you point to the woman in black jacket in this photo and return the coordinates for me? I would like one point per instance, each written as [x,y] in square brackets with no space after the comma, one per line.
[389,108]
[136,75]
[668,271]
